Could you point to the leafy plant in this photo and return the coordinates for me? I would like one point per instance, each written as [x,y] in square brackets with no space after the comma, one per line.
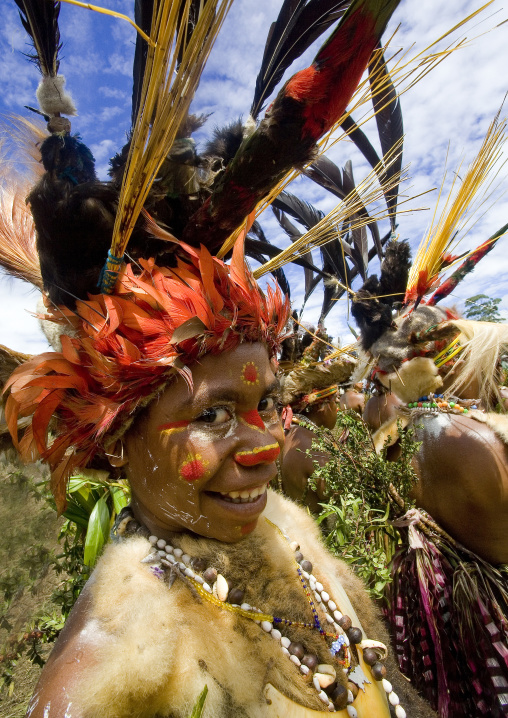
[483,308]
[365,491]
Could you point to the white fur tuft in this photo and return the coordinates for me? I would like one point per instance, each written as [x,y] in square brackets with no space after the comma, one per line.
[52,97]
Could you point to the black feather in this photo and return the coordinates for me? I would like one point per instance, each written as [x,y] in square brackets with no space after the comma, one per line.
[361,140]
[300,210]
[294,234]
[40,20]
[389,123]
[395,271]
[326,173]
[224,144]
[143,11]
[374,316]
[299,23]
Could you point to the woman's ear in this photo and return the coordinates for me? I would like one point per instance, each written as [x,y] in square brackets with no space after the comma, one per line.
[115,454]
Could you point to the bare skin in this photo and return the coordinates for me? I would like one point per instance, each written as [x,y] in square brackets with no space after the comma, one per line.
[463,482]
[352,399]
[297,467]
[380,409]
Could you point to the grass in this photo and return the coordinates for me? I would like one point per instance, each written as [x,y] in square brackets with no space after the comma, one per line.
[29,532]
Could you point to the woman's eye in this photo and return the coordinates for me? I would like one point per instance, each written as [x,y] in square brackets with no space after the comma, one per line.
[267,404]
[216,415]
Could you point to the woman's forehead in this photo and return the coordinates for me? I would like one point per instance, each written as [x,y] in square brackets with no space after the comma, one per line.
[229,377]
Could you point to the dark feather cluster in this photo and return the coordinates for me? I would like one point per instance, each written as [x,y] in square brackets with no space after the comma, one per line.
[224,144]
[374,316]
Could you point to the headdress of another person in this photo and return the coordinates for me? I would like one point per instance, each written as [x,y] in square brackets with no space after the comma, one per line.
[140,319]
[410,342]
[310,383]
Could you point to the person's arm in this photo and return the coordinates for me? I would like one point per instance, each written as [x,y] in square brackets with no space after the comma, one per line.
[74,651]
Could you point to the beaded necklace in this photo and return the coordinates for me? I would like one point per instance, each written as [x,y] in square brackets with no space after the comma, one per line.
[437,403]
[164,557]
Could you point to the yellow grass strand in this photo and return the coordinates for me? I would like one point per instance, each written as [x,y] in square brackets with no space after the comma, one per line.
[113,13]
[457,212]
[166,95]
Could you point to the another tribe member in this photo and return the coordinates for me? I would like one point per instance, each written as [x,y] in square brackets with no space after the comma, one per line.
[353,398]
[169,376]
[309,394]
[449,596]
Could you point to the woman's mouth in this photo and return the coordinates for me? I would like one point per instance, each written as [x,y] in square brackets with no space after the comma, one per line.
[247,496]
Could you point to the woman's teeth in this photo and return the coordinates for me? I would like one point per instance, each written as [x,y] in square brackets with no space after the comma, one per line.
[244,497]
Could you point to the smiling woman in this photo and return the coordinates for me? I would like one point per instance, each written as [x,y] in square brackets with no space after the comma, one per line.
[166,372]
[210,476]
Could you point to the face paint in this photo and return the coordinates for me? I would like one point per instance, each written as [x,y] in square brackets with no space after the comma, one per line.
[248,528]
[173,426]
[253,419]
[193,469]
[181,451]
[258,455]
[250,373]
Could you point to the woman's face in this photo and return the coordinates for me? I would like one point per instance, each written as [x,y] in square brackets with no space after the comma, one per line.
[201,460]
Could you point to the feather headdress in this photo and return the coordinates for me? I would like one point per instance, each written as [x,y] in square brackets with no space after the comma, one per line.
[172,302]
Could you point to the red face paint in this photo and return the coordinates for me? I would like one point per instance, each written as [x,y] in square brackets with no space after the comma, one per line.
[258,455]
[250,373]
[173,425]
[253,418]
[193,469]
[248,528]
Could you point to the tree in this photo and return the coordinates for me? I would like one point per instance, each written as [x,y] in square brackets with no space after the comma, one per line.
[483,308]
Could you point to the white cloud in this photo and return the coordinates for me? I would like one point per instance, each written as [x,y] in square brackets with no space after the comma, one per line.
[455,104]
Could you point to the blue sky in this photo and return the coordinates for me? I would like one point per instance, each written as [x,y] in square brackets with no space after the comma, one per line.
[448,111]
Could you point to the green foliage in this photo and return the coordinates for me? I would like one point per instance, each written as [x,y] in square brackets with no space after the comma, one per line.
[197,711]
[365,491]
[483,308]
[93,503]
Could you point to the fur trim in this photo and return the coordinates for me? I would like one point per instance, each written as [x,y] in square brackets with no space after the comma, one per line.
[388,434]
[398,344]
[497,422]
[155,649]
[414,379]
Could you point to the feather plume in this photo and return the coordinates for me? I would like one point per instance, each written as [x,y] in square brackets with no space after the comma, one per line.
[308,105]
[437,243]
[298,24]
[388,115]
[40,20]
[466,267]
[167,90]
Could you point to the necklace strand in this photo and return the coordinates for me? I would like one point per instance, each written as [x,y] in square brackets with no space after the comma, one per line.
[323,678]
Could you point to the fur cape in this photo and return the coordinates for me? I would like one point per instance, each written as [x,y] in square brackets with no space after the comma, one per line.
[164,645]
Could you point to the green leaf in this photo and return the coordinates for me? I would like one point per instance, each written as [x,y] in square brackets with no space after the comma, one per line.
[98,531]
[120,498]
[197,711]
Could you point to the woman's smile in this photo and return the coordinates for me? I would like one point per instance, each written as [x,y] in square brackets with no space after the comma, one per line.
[201,461]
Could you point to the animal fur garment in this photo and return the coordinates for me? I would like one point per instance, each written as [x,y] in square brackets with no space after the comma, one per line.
[414,379]
[156,648]
[398,344]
